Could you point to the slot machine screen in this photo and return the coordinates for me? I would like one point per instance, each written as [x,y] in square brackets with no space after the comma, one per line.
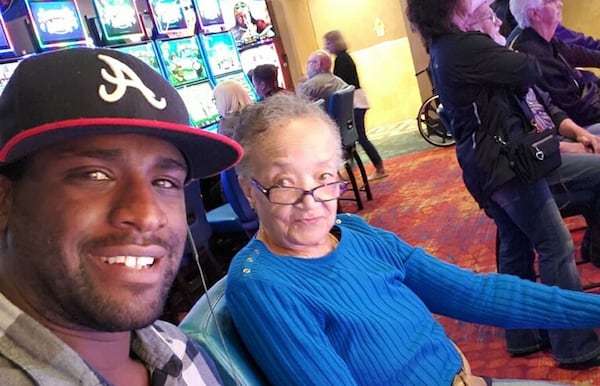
[249,21]
[5,43]
[169,17]
[182,60]
[198,99]
[56,23]
[210,15]
[221,53]
[119,20]
[146,52]
[6,70]
[242,79]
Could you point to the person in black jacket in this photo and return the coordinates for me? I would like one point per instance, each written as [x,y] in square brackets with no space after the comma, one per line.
[345,68]
[570,90]
[566,35]
[482,86]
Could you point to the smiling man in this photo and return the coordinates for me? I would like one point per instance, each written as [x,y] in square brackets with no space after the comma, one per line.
[95,149]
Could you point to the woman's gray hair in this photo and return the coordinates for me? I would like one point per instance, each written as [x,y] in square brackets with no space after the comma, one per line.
[269,117]
[519,9]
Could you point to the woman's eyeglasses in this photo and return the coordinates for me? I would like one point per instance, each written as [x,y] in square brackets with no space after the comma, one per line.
[493,18]
[287,195]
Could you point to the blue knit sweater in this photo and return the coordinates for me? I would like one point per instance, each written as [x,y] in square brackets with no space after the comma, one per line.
[361,315]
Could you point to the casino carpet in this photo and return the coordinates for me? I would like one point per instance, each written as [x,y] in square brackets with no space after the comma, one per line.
[425,202]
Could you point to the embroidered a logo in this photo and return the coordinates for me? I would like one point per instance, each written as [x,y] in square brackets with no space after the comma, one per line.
[122,77]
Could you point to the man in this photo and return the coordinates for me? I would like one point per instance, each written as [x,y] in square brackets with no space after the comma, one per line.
[569,88]
[319,83]
[95,149]
[264,80]
[566,35]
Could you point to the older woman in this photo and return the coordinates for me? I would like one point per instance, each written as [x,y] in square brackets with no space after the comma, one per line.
[327,299]
[483,87]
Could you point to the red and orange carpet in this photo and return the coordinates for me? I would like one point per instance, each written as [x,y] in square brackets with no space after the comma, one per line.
[425,202]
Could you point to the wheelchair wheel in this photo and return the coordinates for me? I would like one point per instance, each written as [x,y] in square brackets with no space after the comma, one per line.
[431,128]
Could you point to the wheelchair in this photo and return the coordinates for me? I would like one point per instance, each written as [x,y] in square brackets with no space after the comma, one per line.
[431,123]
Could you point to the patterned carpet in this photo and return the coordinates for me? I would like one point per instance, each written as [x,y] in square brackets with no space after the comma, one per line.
[424,201]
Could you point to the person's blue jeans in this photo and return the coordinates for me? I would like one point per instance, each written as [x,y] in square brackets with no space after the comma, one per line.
[527,218]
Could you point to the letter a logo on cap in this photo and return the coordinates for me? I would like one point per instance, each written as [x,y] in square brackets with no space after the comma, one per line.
[123,77]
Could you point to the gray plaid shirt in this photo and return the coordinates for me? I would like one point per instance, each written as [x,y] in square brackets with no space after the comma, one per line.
[31,355]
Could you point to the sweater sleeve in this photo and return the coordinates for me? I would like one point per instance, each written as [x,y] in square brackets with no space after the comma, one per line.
[274,317]
[495,299]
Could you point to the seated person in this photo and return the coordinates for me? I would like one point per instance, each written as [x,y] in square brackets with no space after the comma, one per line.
[483,87]
[94,221]
[570,89]
[566,35]
[264,79]
[580,154]
[319,82]
[230,98]
[330,300]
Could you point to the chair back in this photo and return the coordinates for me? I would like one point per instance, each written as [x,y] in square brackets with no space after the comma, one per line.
[238,201]
[210,325]
[341,109]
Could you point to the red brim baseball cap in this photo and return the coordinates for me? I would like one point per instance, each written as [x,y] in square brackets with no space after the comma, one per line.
[78,92]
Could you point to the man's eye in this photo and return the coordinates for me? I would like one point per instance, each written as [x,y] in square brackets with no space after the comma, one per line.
[97,175]
[167,184]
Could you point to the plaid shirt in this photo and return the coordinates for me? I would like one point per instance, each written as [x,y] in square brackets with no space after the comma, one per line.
[31,355]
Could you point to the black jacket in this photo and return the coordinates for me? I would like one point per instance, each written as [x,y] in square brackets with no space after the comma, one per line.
[479,83]
[569,88]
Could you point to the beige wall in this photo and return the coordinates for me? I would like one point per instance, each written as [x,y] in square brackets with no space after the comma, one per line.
[376,34]
[582,15]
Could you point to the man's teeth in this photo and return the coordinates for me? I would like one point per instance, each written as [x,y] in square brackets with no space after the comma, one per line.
[130,261]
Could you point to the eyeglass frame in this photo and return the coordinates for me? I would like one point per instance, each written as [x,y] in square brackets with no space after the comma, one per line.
[493,18]
[311,192]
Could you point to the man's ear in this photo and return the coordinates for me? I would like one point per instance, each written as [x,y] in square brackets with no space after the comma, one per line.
[5,201]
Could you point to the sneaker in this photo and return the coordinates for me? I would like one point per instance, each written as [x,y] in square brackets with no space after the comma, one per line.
[377,175]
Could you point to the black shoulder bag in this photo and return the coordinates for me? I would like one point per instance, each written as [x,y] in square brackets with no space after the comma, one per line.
[535,154]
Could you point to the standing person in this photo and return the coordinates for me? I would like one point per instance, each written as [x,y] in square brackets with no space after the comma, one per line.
[321,298]
[265,82]
[345,68]
[483,87]
[93,221]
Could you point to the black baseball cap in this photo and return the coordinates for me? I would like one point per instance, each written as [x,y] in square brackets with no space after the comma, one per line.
[79,92]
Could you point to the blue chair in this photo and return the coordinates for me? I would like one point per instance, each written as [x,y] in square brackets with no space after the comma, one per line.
[235,216]
[210,325]
[340,107]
